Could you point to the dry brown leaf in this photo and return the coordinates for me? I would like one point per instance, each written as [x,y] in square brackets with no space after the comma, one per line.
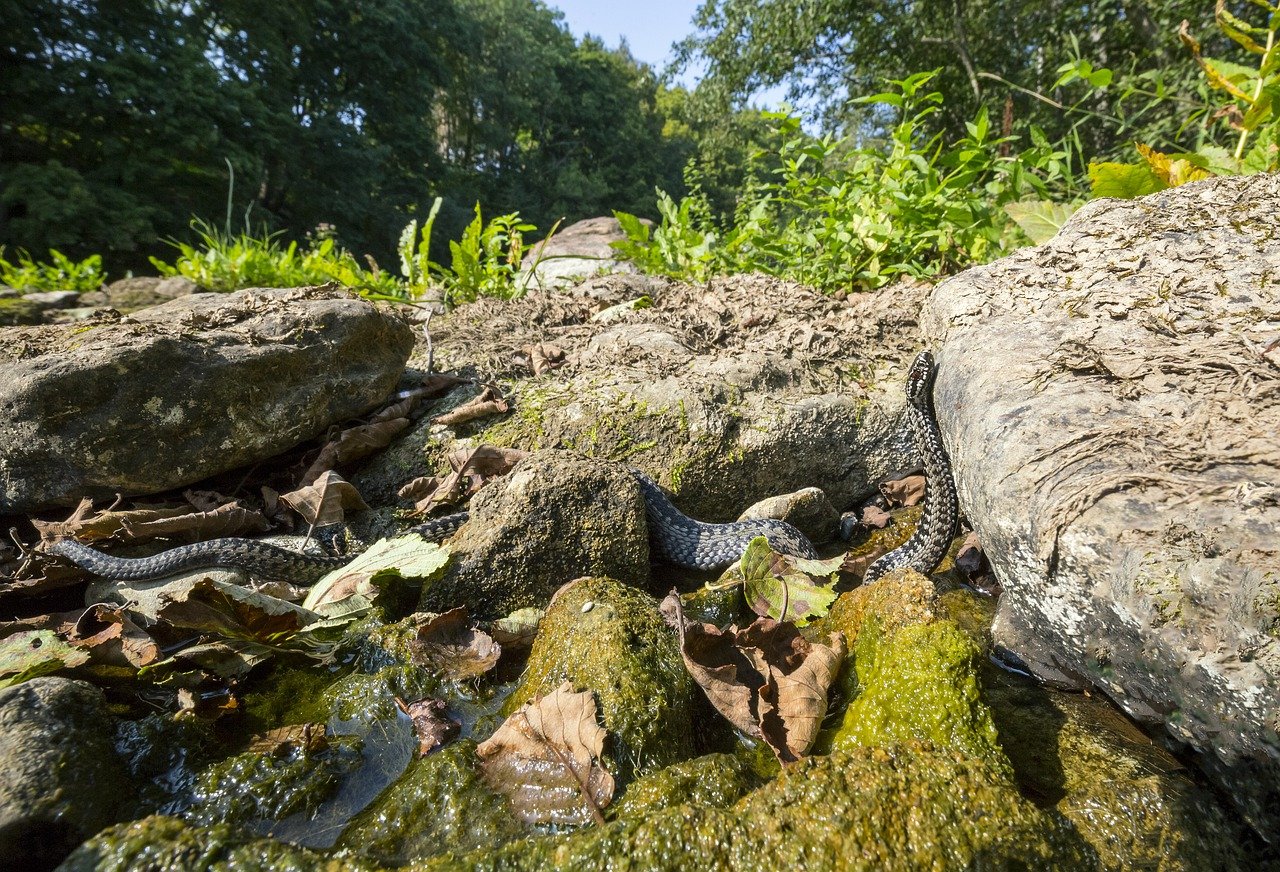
[449,643]
[433,727]
[207,706]
[546,759]
[970,559]
[104,525]
[541,357]
[767,680]
[111,638]
[908,491]
[282,740]
[489,402]
[472,469]
[231,519]
[354,443]
[875,518]
[325,501]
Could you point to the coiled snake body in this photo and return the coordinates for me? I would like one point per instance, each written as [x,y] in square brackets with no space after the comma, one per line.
[676,537]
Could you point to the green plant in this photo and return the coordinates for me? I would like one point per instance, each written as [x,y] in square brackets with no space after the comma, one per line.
[486,260]
[63,274]
[841,216]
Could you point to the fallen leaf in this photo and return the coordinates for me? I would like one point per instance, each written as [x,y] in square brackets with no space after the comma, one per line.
[472,470]
[448,642]
[489,402]
[206,705]
[218,608]
[230,519]
[775,587]
[970,559]
[875,518]
[546,759]
[908,491]
[517,630]
[111,638]
[542,357]
[354,443]
[33,653]
[326,500]
[767,680]
[307,738]
[408,557]
[431,724]
[90,528]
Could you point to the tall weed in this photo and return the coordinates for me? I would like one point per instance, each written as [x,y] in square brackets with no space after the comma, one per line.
[63,274]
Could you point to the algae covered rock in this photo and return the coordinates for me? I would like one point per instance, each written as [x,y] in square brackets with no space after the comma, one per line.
[606,637]
[165,844]
[555,517]
[909,807]
[440,804]
[1130,799]
[709,781]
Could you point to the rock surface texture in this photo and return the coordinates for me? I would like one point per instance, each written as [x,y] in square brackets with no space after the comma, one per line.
[577,252]
[181,391]
[60,779]
[1111,402]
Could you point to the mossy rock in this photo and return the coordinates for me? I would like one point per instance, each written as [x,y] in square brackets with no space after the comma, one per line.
[19,312]
[165,844]
[709,781]
[1130,799]
[609,638]
[439,804]
[909,807]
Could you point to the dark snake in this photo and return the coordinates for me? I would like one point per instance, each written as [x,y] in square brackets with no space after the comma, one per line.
[676,537]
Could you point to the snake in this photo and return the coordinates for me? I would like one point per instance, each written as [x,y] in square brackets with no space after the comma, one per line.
[676,538]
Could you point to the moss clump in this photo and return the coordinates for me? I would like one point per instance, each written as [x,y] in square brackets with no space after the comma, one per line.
[909,807]
[260,786]
[920,683]
[439,804]
[165,844]
[366,697]
[710,781]
[609,638]
[19,312]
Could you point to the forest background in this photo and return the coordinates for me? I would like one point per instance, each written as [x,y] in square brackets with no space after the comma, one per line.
[937,132]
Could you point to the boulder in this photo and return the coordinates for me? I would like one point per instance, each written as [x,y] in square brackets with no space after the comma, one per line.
[555,517]
[175,393]
[136,292]
[53,299]
[1111,403]
[576,252]
[60,778]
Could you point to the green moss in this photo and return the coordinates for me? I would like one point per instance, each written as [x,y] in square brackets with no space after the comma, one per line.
[373,696]
[920,683]
[439,804]
[165,844]
[907,808]
[259,786]
[287,694]
[619,648]
[713,780]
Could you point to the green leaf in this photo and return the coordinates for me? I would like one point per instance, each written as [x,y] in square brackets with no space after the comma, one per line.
[1124,181]
[772,582]
[403,558]
[33,653]
[1040,219]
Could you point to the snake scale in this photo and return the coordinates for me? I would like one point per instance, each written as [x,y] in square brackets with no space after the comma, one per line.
[676,537]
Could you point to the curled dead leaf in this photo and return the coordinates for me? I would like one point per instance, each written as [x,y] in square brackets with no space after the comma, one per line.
[354,443]
[970,559]
[541,357]
[546,758]
[489,402]
[111,638]
[875,518]
[308,738]
[907,491]
[472,469]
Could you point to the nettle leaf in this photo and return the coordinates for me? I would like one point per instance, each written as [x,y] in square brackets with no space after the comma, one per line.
[1040,219]
[775,587]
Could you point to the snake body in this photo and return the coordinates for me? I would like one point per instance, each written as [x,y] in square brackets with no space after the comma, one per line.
[928,544]
[676,537]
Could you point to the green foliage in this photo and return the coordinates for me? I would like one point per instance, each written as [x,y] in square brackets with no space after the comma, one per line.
[222,262]
[486,260]
[838,216]
[64,274]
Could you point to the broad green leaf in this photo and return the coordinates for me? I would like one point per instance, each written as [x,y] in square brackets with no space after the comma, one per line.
[406,557]
[33,653]
[1040,219]
[1125,181]
[772,582]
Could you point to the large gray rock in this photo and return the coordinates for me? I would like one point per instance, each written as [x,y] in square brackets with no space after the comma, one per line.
[577,252]
[178,392]
[1114,419]
[60,778]
[137,292]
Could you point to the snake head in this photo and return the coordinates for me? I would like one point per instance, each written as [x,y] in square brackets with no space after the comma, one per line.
[919,377]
